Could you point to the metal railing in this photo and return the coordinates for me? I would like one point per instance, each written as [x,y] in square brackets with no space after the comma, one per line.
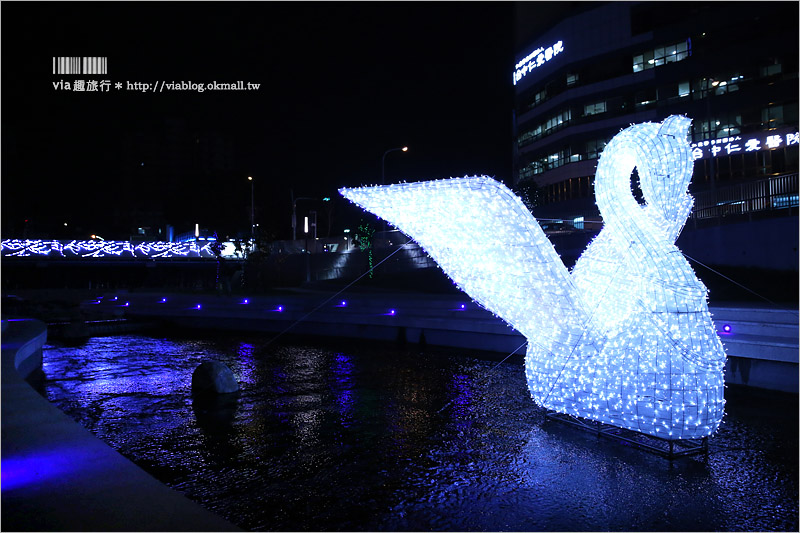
[778,192]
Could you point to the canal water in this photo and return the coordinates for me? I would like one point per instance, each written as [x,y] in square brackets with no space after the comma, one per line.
[380,437]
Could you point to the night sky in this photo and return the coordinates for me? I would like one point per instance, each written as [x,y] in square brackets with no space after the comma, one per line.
[340,83]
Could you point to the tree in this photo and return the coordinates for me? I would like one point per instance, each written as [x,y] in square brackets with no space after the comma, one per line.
[528,192]
[364,240]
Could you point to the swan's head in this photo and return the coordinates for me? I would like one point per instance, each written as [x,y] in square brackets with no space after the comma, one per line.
[661,154]
[666,168]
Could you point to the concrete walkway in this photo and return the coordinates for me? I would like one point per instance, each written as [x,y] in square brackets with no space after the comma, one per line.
[56,476]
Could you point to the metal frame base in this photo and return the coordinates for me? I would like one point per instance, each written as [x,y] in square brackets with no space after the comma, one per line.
[660,446]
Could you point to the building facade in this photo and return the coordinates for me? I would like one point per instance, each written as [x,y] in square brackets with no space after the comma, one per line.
[732,67]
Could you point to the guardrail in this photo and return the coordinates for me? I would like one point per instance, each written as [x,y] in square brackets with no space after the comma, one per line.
[778,192]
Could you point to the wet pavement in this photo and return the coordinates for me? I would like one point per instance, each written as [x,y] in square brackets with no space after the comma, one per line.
[357,436]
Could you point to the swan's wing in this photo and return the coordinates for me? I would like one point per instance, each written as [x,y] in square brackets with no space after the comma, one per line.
[484,238]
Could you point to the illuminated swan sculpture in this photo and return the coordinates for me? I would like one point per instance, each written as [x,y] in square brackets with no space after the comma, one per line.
[626,338]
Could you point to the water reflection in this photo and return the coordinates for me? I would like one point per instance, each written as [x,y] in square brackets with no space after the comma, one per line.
[342,384]
[215,414]
[376,438]
[246,375]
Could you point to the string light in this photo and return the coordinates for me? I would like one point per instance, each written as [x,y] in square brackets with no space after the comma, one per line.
[110,249]
[626,338]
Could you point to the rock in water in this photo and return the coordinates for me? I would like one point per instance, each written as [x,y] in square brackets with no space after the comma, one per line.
[213,377]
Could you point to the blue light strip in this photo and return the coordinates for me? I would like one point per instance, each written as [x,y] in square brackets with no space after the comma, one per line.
[113,249]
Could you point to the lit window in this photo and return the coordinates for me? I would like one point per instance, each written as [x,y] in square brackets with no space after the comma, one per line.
[594,109]
[572,79]
[771,70]
[662,55]
[772,116]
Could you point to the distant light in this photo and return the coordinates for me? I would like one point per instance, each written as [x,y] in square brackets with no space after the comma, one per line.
[250,178]
[463,306]
[126,304]
[305,225]
[391,312]
[280,309]
[405,148]
[114,299]
[197,306]
[163,300]
[197,230]
[326,199]
[347,230]
[245,301]
[65,223]
[726,328]
[343,303]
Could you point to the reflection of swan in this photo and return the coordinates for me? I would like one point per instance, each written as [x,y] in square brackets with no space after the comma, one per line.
[626,338]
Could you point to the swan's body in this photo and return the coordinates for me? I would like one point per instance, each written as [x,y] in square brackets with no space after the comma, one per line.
[626,338]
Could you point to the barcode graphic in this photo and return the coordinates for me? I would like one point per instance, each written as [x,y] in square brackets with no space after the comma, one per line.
[80,65]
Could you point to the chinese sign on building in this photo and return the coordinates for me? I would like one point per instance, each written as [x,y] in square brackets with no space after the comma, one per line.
[739,144]
[537,58]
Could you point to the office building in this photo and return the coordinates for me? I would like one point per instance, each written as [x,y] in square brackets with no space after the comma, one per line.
[732,67]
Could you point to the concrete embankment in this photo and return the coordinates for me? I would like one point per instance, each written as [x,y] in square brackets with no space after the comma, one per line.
[761,343]
[56,476]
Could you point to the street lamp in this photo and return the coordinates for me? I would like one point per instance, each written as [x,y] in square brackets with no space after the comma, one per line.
[294,212]
[252,207]
[383,166]
[712,134]
[383,161]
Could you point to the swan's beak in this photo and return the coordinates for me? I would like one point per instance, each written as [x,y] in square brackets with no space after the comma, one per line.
[675,126]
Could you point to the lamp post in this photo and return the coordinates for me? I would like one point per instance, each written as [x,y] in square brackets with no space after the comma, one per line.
[294,212]
[712,133]
[383,169]
[252,207]
[383,161]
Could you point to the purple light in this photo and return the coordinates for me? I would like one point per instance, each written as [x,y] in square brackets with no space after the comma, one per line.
[463,306]
[344,303]
[163,300]
[245,301]
[391,312]
[126,304]
[280,309]
[197,306]
[726,328]
[114,299]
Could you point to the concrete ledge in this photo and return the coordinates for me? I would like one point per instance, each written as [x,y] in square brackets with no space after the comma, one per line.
[763,374]
[57,476]
[762,343]
[24,338]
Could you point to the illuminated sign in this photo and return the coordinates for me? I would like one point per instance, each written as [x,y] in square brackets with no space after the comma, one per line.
[535,59]
[737,144]
[626,338]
